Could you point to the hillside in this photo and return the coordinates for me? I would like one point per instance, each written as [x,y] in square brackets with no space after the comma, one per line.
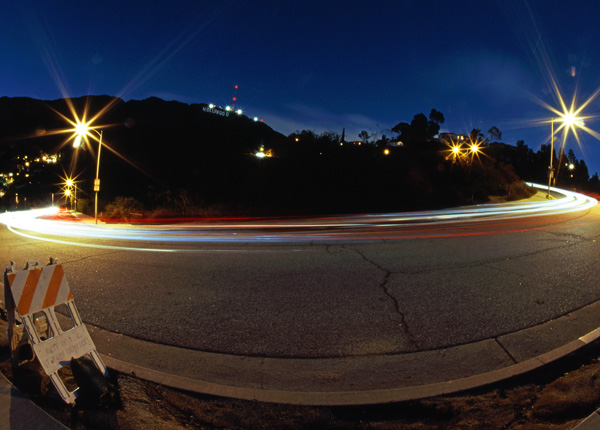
[171,158]
[149,146]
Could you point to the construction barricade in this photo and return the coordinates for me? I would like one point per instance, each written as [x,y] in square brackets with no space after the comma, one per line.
[30,297]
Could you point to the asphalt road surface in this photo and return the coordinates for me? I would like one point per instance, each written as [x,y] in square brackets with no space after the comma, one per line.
[333,287]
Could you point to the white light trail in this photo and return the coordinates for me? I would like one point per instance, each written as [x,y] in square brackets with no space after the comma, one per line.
[296,231]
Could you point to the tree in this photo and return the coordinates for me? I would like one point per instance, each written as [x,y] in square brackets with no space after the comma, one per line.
[495,134]
[571,157]
[436,116]
[364,136]
[420,130]
[381,143]
[419,127]
[330,137]
[594,182]
[433,126]
[401,128]
[476,134]
[582,173]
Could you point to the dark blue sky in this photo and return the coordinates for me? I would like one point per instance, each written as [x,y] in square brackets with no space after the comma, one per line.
[320,65]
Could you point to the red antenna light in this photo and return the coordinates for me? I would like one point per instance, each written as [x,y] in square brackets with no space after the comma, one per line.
[234,95]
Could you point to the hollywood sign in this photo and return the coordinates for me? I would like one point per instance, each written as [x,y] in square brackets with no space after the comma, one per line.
[215,111]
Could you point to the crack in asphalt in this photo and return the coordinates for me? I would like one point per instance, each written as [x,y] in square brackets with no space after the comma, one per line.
[573,236]
[489,262]
[87,257]
[383,285]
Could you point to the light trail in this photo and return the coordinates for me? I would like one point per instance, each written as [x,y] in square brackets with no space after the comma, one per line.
[326,229]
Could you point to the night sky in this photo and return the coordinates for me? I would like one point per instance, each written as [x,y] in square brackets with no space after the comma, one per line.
[320,65]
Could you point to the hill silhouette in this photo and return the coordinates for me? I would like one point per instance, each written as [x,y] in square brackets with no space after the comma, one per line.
[149,146]
[175,158]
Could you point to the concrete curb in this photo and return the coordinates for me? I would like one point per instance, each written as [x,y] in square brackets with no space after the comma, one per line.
[590,423]
[349,398]
[17,412]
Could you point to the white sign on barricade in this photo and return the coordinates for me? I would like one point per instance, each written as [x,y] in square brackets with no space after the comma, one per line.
[35,291]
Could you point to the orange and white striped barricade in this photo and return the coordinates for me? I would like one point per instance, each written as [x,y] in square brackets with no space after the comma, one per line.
[35,292]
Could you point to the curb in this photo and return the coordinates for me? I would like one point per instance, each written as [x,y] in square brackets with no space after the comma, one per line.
[590,423]
[17,412]
[350,398]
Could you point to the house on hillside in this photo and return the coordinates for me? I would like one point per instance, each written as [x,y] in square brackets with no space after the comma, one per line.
[450,138]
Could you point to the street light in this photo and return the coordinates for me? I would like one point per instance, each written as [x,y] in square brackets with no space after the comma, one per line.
[71,192]
[68,198]
[569,120]
[81,130]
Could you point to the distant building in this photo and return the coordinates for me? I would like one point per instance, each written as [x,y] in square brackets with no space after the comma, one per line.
[449,138]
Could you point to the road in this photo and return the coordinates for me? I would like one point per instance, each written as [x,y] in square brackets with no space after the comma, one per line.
[333,287]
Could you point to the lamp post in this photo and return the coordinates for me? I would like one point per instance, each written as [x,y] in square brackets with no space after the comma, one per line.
[71,192]
[80,132]
[68,198]
[550,169]
[569,121]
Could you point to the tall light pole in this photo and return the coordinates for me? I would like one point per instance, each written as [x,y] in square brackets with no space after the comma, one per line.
[81,131]
[71,191]
[550,169]
[569,120]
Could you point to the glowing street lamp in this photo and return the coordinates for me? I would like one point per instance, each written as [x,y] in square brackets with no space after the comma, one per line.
[68,198]
[71,195]
[569,120]
[455,150]
[82,130]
